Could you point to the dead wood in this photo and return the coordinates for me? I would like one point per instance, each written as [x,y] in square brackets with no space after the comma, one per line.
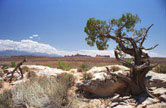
[18,66]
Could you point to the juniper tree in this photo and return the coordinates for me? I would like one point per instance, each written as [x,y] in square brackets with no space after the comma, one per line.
[129,41]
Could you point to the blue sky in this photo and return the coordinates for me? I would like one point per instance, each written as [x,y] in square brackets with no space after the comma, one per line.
[60,23]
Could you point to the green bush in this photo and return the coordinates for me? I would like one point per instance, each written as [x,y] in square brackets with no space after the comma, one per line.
[13,64]
[4,66]
[49,65]
[83,67]
[129,60]
[160,68]
[64,66]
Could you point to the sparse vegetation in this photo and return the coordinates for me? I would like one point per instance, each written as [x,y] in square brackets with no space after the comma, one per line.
[160,68]
[1,83]
[31,75]
[6,99]
[40,93]
[83,67]
[64,66]
[115,68]
[13,64]
[129,60]
[25,69]
[49,65]
[66,79]
[1,73]
[4,66]
[87,76]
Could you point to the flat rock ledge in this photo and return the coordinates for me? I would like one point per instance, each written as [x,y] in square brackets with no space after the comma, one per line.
[102,83]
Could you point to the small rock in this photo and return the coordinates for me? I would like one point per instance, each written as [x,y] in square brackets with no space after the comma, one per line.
[124,106]
[149,101]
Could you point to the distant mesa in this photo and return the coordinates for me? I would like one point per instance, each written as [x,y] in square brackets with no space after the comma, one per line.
[80,55]
[102,56]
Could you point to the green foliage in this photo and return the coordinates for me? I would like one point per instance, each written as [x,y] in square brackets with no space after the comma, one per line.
[64,66]
[129,60]
[83,67]
[13,64]
[4,66]
[160,68]
[97,29]
[49,65]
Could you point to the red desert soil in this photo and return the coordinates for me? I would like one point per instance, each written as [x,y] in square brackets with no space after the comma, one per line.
[73,61]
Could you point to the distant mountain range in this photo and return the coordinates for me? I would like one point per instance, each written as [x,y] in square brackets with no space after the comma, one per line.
[24,53]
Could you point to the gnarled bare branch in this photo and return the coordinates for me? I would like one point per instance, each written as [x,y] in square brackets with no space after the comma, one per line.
[144,36]
[122,61]
[151,47]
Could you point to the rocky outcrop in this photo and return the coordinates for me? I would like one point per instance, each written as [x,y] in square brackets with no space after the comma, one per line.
[102,83]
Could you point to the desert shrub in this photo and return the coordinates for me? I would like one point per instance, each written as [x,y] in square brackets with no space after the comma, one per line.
[1,73]
[66,79]
[6,99]
[87,76]
[49,65]
[40,93]
[25,69]
[4,66]
[31,94]
[1,83]
[64,66]
[129,60]
[83,67]
[160,68]
[31,75]
[115,68]
[13,64]
[38,64]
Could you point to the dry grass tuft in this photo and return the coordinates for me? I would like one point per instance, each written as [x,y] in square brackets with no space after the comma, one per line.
[40,92]
[25,69]
[160,68]
[115,68]
[31,75]
[87,76]
[1,73]
[6,99]
[1,83]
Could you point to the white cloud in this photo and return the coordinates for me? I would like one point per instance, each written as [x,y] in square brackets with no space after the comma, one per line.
[27,45]
[34,36]
[31,37]
[152,54]
[34,46]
